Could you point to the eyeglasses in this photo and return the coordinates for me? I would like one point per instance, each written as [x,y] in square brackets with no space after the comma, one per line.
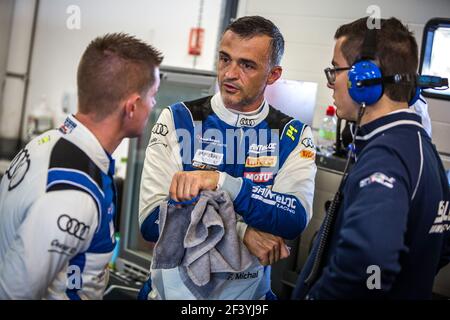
[330,73]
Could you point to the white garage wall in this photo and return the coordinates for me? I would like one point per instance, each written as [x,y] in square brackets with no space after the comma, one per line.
[308,27]
[164,24]
[17,57]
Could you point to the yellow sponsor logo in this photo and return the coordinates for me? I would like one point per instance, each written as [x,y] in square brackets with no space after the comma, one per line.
[307,154]
[266,161]
[291,131]
[43,140]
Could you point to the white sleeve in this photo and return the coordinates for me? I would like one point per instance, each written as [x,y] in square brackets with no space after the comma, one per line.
[162,161]
[297,175]
[47,239]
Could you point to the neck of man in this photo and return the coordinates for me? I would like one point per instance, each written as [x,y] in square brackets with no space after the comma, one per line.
[248,107]
[106,130]
[381,108]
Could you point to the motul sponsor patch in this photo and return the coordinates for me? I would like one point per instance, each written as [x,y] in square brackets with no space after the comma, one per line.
[258,176]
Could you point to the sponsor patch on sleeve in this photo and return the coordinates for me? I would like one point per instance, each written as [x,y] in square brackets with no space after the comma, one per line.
[379,178]
[307,154]
[291,132]
[308,143]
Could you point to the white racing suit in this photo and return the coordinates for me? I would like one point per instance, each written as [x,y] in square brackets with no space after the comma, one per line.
[57,203]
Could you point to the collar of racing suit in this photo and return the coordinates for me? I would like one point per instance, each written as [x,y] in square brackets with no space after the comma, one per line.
[403,117]
[75,132]
[238,119]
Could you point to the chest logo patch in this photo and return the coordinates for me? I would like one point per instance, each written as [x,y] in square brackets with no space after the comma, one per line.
[208,157]
[266,161]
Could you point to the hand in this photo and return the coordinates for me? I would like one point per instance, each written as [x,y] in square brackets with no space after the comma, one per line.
[187,184]
[265,246]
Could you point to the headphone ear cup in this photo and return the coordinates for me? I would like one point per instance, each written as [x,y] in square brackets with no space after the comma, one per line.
[364,70]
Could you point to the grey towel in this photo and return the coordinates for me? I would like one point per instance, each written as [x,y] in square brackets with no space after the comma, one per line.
[202,240]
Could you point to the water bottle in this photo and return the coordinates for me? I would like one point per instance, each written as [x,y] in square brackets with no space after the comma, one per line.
[327,132]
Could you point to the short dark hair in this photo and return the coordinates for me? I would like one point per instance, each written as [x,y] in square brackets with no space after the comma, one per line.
[396,51]
[112,67]
[250,26]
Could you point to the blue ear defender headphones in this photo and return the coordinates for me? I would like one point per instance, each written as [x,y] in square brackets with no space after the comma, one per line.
[358,89]
[365,79]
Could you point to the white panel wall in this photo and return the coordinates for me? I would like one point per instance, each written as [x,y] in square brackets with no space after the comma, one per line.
[309,26]
[6,12]
[164,24]
[19,46]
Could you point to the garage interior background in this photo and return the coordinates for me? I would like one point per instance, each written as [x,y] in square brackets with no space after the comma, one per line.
[39,54]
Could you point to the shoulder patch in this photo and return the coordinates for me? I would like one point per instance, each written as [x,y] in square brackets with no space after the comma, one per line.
[277,119]
[67,155]
[71,169]
[200,108]
[293,130]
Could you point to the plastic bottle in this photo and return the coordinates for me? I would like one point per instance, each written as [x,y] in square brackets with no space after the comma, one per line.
[327,132]
[40,119]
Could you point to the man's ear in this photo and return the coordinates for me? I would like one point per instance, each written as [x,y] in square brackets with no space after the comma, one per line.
[274,75]
[131,105]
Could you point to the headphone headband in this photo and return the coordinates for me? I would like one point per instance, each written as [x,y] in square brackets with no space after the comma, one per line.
[396,78]
[365,78]
[369,45]
[420,81]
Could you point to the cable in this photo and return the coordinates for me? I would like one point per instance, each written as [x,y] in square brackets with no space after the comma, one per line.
[332,209]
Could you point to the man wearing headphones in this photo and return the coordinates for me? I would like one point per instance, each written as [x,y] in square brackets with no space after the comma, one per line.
[387,232]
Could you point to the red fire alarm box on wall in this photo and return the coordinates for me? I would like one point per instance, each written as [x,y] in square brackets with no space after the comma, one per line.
[196,41]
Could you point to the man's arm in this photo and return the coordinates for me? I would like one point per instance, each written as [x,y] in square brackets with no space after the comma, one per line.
[373,230]
[162,161]
[286,209]
[265,246]
[45,243]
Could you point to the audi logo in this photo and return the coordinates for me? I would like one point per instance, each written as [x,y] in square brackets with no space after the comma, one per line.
[247,122]
[160,129]
[72,226]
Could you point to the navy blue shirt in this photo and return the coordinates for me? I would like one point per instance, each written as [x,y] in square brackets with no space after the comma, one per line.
[394,218]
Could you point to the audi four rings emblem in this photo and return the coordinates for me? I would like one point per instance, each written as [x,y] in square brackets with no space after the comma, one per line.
[72,226]
[160,129]
[247,122]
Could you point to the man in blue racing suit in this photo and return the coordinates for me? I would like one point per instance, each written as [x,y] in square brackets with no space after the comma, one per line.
[237,142]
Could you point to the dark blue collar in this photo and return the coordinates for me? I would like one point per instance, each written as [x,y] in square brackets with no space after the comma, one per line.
[377,127]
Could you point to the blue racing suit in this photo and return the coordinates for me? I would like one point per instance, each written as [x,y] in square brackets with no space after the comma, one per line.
[266,164]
